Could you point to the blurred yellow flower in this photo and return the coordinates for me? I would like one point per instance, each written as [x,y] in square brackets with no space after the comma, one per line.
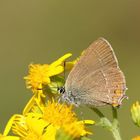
[46,125]
[136,138]
[39,75]
[62,116]
[135,113]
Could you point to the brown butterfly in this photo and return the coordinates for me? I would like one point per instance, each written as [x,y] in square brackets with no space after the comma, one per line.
[96,78]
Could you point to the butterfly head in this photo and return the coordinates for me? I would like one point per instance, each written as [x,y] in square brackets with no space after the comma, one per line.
[68,96]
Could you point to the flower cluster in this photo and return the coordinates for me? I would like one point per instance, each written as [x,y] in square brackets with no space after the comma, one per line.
[44,118]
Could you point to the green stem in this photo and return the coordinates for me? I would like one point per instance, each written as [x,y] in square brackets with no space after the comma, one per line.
[114,113]
[115,124]
[116,134]
[98,112]
[104,122]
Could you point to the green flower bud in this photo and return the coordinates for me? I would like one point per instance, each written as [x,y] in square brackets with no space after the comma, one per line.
[135,113]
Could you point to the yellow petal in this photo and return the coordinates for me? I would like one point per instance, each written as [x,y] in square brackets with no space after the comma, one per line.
[60,60]
[9,138]
[55,70]
[35,123]
[29,105]
[87,122]
[50,133]
[9,124]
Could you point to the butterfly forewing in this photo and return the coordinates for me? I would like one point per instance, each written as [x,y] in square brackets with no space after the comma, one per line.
[96,79]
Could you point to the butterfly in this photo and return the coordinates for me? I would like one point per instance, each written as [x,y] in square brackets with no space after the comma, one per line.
[96,78]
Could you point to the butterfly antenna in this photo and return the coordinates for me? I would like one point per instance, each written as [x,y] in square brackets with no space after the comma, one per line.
[64,70]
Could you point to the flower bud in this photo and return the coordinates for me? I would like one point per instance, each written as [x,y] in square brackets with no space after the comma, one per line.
[135,113]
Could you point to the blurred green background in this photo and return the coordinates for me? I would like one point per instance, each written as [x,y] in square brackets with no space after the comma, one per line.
[42,31]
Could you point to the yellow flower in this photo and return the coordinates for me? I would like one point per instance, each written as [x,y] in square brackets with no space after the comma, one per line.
[46,123]
[62,116]
[39,75]
[45,126]
[135,113]
[32,127]
[58,114]
[136,138]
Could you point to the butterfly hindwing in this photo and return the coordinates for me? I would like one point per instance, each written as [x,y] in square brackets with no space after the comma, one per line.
[96,79]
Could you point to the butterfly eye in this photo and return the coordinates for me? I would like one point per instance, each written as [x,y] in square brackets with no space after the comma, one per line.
[61,90]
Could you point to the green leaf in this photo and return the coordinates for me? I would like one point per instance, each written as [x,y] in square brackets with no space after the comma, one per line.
[51,89]
[61,135]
